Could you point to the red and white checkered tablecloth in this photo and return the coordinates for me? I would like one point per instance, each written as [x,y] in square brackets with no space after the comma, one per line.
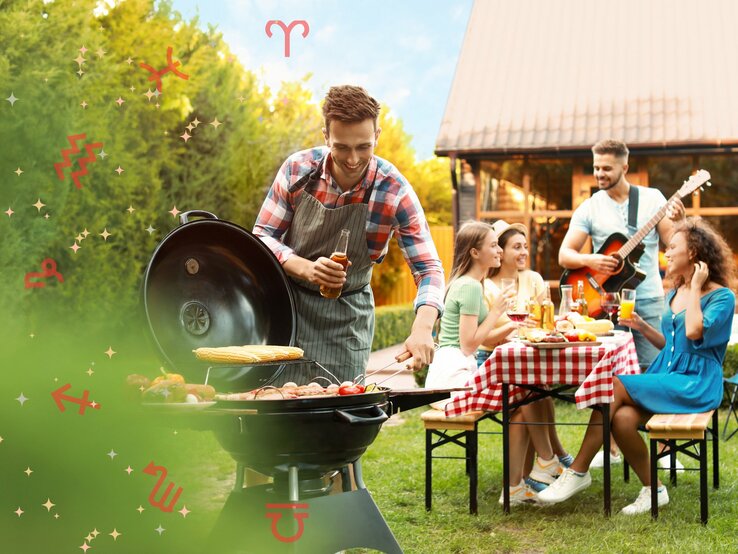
[592,367]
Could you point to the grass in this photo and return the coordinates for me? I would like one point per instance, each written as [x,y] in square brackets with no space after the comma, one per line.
[394,472]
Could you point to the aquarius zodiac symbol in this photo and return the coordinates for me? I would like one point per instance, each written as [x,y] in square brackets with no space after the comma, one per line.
[276,516]
[171,66]
[82,161]
[151,469]
[287,29]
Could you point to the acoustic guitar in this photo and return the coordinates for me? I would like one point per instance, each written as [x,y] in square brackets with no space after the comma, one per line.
[627,251]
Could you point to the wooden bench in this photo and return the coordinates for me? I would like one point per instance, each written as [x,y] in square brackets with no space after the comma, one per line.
[691,431]
[441,428]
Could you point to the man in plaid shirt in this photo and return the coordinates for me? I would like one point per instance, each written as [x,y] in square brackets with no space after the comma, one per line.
[343,185]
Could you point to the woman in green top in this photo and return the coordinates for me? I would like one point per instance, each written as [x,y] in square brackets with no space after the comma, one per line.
[466,323]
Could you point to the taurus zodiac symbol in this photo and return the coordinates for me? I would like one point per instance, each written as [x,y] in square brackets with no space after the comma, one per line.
[151,469]
[171,66]
[276,516]
[287,29]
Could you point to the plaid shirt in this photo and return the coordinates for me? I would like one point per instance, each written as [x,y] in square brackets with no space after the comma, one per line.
[393,207]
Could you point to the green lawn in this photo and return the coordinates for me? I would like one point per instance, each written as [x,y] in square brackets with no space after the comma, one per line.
[394,473]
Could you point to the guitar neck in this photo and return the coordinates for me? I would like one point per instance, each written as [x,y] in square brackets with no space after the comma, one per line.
[636,239]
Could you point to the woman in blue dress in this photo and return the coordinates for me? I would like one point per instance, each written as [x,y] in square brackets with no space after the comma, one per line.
[686,377]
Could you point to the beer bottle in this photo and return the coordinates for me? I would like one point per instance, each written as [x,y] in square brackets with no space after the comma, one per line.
[534,310]
[547,310]
[582,307]
[339,255]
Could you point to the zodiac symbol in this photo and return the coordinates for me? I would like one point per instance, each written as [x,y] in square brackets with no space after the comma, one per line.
[276,516]
[151,469]
[82,161]
[287,29]
[49,270]
[84,403]
[171,66]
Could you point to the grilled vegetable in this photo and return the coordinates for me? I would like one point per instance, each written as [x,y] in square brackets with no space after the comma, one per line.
[345,390]
[166,391]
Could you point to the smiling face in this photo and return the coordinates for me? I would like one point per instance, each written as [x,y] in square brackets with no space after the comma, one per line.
[352,147]
[679,260]
[609,170]
[489,254]
[515,252]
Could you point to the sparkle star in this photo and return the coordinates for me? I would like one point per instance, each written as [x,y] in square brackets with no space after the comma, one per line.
[80,72]
[148,94]
[186,136]
[160,529]
[48,504]
[184,511]
[94,404]
[19,511]
[196,122]
[28,471]
[130,209]
[190,126]
[9,212]
[140,508]
[132,89]
[75,247]
[85,232]
[128,470]
[215,123]
[12,99]
[100,52]
[84,104]
[115,534]
[129,61]
[119,170]
[150,229]
[56,516]
[94,533]
[38,205]
[18,172]
[112,454]
[105,234]
[110,352]
[119,101]
[85,546]
[89,371]
[174,211]
[22,399]
[83,49]
[102,154]
[80,60]
[241,99]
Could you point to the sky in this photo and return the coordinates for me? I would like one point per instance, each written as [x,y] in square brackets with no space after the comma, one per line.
[403,52]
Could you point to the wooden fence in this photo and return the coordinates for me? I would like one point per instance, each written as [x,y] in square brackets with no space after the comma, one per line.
[405,290]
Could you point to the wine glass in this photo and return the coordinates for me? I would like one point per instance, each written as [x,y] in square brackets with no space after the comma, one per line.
[610,302]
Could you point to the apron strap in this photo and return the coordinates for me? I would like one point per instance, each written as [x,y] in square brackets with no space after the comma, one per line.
[306,181]
[312,292]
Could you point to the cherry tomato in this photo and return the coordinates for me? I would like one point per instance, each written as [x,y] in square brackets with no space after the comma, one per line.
[345,390]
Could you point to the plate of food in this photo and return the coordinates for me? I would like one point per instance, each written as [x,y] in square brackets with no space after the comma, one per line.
[559,345]
[538,338]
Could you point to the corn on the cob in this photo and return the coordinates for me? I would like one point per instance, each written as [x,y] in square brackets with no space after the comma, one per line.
[250,353]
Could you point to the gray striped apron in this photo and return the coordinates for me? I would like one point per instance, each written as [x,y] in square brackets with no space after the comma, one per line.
[337,333]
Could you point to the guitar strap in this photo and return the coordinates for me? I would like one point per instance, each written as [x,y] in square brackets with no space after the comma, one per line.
[633,208]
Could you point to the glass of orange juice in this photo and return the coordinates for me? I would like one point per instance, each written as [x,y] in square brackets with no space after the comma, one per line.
[627,303]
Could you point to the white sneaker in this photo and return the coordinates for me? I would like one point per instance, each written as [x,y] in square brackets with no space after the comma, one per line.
[521,494]
[546,471]
[599,460]
[566,486]
[642,504]
[664,464]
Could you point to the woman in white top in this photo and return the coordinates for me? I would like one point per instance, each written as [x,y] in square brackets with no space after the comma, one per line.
[552,456]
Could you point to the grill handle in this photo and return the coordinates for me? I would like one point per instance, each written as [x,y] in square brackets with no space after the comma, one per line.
[185,216]
[377,416]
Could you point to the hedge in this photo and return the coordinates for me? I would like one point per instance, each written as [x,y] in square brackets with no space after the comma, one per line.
[392,325]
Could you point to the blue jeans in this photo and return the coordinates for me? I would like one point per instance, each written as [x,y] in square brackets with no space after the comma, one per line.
[650,310]
[482,356]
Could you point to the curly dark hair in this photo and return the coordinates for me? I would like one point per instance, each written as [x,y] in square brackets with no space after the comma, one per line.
[705,244]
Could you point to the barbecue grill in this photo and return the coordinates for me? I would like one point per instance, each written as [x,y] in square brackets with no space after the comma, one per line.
[212,283]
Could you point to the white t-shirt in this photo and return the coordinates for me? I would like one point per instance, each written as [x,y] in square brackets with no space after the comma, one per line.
[600,216]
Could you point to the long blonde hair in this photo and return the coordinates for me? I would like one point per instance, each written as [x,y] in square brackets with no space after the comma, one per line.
[470,235]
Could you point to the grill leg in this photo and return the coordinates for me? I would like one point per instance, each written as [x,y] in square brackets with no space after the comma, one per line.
[703,480]
[239,477]
[428,469]
[471,461]
[715,451]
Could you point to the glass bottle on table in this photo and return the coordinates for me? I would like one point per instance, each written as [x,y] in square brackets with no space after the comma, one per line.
[340,256]
[547,309]
[534,310]
[582,306]
[566,304]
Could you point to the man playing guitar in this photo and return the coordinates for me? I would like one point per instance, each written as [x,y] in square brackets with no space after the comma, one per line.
[606,212]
